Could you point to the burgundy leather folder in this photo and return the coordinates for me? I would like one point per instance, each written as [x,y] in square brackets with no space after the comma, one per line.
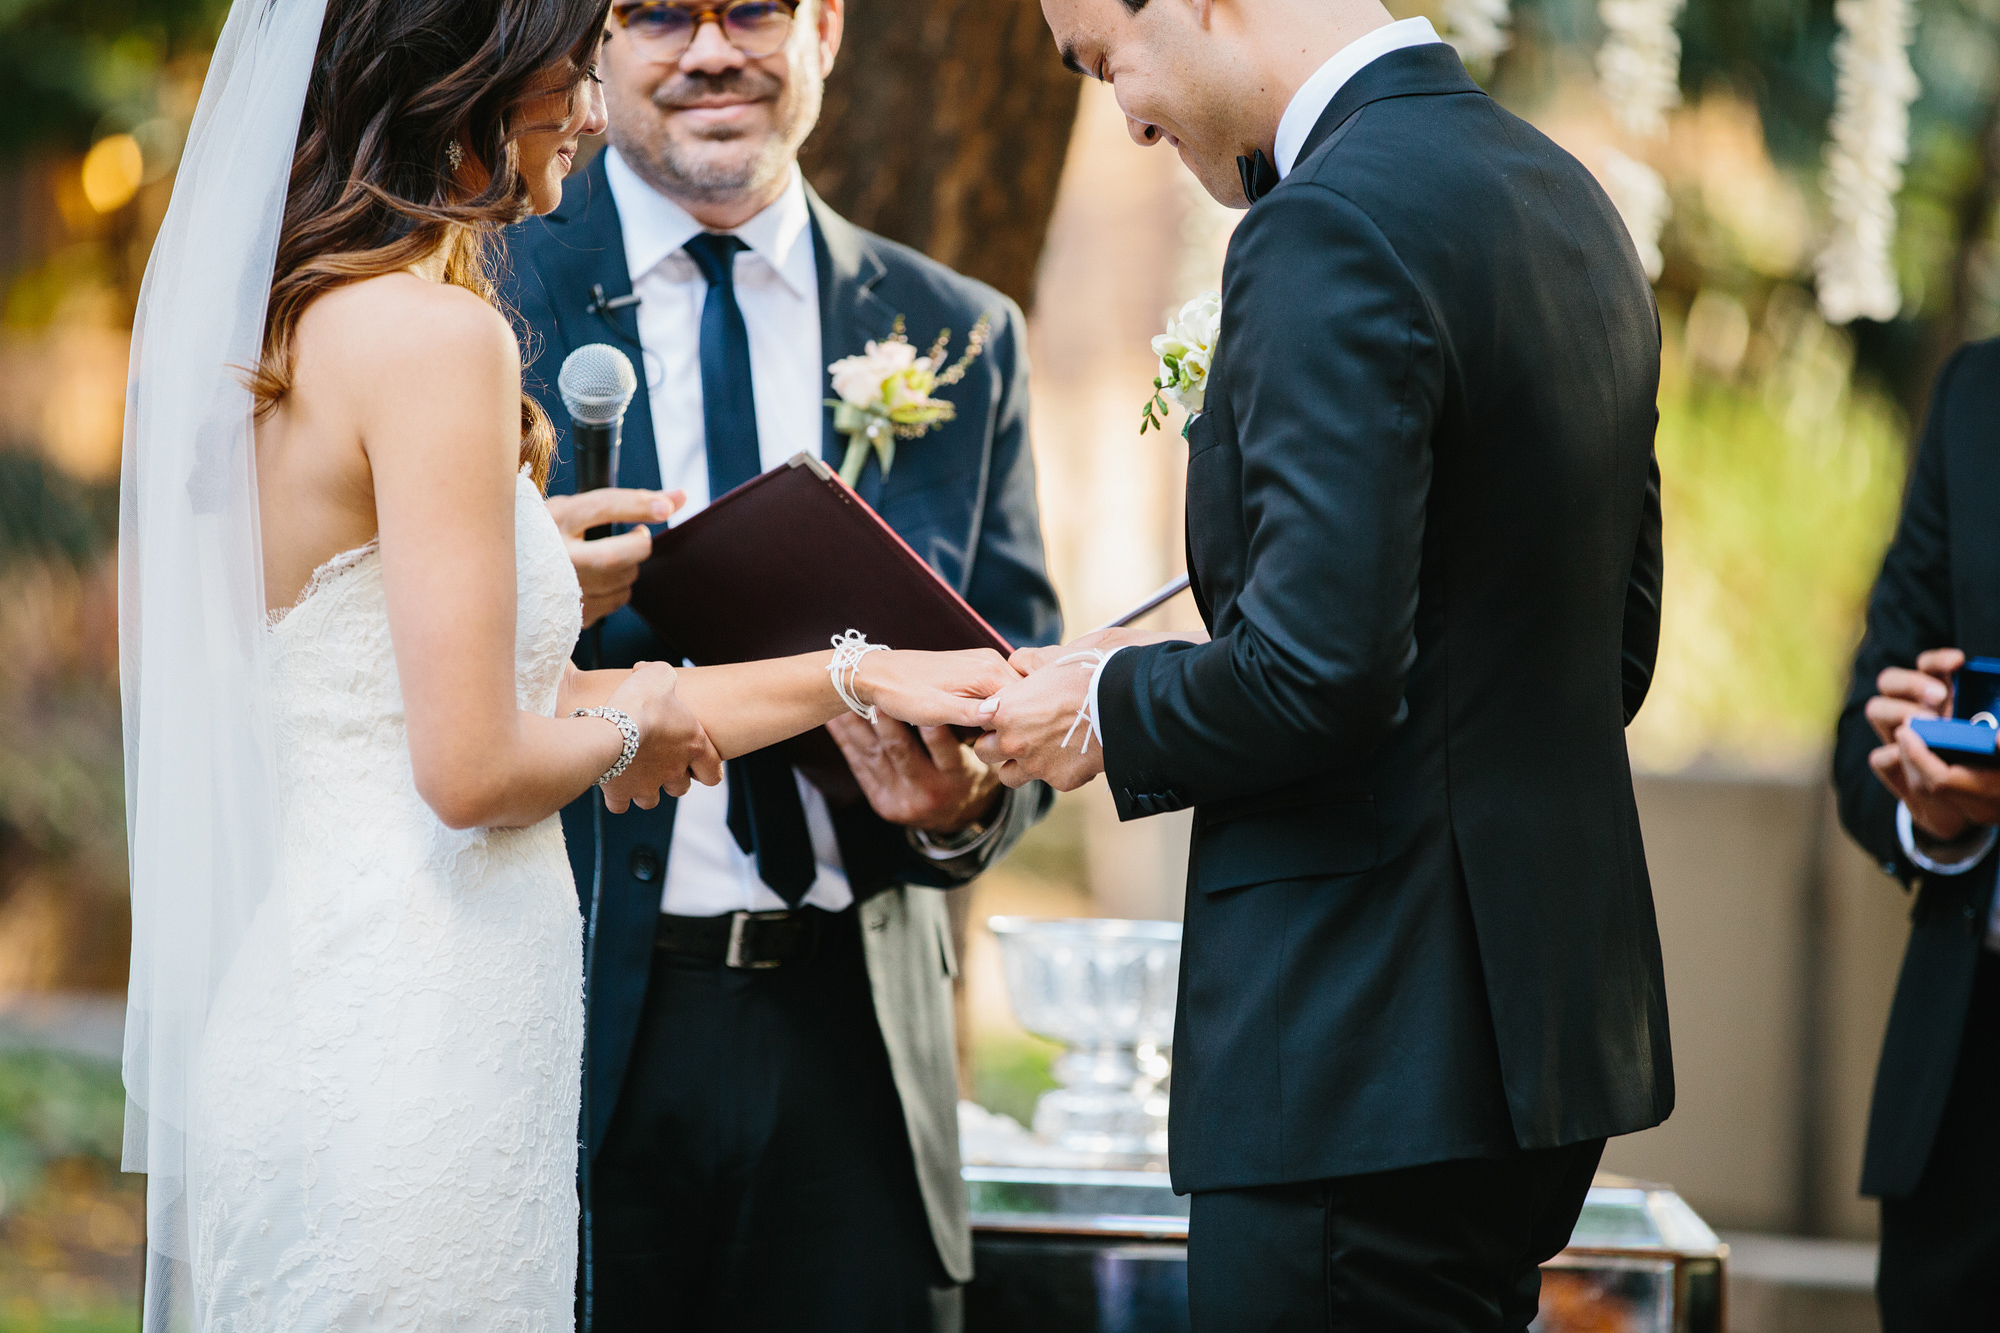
[787,561]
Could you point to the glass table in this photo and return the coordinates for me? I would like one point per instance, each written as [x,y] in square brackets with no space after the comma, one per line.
[1081,1249]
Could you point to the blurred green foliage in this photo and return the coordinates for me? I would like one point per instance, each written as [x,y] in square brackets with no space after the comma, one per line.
[1779,494]
[70,1223]
[1010,1071]
[1777,54]
[54,1106]
[72,71]
[61,788]
[47,515]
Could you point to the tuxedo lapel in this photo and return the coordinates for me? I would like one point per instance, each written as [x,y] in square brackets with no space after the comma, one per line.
[850,314]
[583,256]
[1415,71]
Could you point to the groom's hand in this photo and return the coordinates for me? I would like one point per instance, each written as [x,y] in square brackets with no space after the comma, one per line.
[922,778]
[607,568]
[1031,721]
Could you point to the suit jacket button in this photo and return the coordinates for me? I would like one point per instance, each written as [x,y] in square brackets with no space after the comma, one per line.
[644,864]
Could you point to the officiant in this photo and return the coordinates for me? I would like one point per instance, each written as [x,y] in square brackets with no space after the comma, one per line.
[772,1134]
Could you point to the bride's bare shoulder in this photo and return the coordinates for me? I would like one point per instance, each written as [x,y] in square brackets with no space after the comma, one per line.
[400,330]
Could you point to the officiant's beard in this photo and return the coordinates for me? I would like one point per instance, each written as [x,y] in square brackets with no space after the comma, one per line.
[699,166]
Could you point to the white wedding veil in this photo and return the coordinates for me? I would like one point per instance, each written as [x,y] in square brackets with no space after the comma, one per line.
[198,748]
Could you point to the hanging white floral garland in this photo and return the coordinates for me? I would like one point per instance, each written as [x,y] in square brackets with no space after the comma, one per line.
[1870,137]
[1480,29]
[1639,73]
[1639,65]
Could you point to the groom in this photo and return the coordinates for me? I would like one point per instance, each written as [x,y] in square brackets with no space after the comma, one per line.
[1421,981]
[772,1133]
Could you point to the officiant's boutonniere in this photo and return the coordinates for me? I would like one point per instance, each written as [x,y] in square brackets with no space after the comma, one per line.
[1186,350]
[885,393]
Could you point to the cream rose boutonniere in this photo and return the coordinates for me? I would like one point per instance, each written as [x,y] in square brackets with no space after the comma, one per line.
[886,393]
[1186,350]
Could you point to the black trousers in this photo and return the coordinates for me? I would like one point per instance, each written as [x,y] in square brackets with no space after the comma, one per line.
[1941,1246]
[1453,1247]
[757,1172]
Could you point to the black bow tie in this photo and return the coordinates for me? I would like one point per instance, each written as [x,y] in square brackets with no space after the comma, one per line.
[1259,176]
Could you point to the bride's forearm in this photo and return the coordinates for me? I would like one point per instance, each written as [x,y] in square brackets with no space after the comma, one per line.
[743,707]
[750,705]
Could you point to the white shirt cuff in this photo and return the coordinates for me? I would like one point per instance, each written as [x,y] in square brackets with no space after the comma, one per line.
[1943,858]
[1090,702]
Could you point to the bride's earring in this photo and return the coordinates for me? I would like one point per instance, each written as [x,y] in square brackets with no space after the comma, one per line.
[454,156]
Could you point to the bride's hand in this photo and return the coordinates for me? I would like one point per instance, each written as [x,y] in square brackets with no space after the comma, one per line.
[932,689]
[673,749]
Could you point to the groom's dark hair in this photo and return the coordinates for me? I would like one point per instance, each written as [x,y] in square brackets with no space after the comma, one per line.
[399,89]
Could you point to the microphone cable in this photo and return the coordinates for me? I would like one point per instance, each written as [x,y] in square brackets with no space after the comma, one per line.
[596,384]
[593,639]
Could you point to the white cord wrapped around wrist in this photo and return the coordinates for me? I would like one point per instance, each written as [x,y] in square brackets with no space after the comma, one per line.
[1086,713]
[848,650]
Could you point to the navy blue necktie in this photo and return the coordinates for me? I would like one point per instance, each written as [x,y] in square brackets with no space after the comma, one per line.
[764,811]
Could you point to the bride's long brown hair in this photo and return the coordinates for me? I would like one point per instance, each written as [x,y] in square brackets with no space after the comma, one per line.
[394,85]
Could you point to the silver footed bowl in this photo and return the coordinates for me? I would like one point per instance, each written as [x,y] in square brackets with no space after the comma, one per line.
[1106,990]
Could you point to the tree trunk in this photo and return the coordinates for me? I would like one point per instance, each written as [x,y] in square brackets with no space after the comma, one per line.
[945,127]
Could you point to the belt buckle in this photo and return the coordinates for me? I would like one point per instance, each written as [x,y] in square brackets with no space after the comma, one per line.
[740,935]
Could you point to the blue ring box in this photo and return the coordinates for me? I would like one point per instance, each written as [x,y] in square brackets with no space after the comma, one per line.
[1972,744]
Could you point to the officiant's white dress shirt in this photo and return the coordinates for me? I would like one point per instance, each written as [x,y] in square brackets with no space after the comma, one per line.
[777,288]
[1308,104]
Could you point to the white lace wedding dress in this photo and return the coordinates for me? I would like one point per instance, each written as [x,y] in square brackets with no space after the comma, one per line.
[391,1144]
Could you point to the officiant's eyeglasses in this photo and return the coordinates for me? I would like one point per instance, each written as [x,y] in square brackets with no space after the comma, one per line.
[663,29]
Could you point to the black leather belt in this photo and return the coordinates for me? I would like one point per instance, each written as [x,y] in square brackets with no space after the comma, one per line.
[749,941]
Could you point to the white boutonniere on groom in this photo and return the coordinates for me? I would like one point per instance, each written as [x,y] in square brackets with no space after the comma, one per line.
[1186,351]
[885,393]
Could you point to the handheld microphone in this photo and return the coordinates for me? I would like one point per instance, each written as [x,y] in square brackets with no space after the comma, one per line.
[597,383]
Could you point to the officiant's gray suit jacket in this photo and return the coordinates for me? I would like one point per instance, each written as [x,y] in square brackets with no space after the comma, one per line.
[963,498]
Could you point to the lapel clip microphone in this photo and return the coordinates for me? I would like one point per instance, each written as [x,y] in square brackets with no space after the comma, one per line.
[600,304]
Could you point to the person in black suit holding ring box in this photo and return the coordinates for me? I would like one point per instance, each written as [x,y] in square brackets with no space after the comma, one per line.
[1933,1157]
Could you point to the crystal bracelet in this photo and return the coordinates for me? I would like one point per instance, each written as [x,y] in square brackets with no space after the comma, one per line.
[627,728]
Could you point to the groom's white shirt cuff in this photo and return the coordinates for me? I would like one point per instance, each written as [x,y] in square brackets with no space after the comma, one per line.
[1316,94]
[1090,700]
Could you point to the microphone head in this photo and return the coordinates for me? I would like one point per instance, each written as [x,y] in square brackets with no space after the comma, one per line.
[597,383]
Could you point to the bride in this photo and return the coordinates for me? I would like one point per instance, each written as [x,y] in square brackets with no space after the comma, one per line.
[355,1019]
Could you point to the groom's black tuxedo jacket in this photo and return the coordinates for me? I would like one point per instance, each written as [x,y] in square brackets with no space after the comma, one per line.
[1423,521]
[963,497]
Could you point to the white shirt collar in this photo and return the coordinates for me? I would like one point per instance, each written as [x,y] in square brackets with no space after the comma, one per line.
[1316,94]
[656,227]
